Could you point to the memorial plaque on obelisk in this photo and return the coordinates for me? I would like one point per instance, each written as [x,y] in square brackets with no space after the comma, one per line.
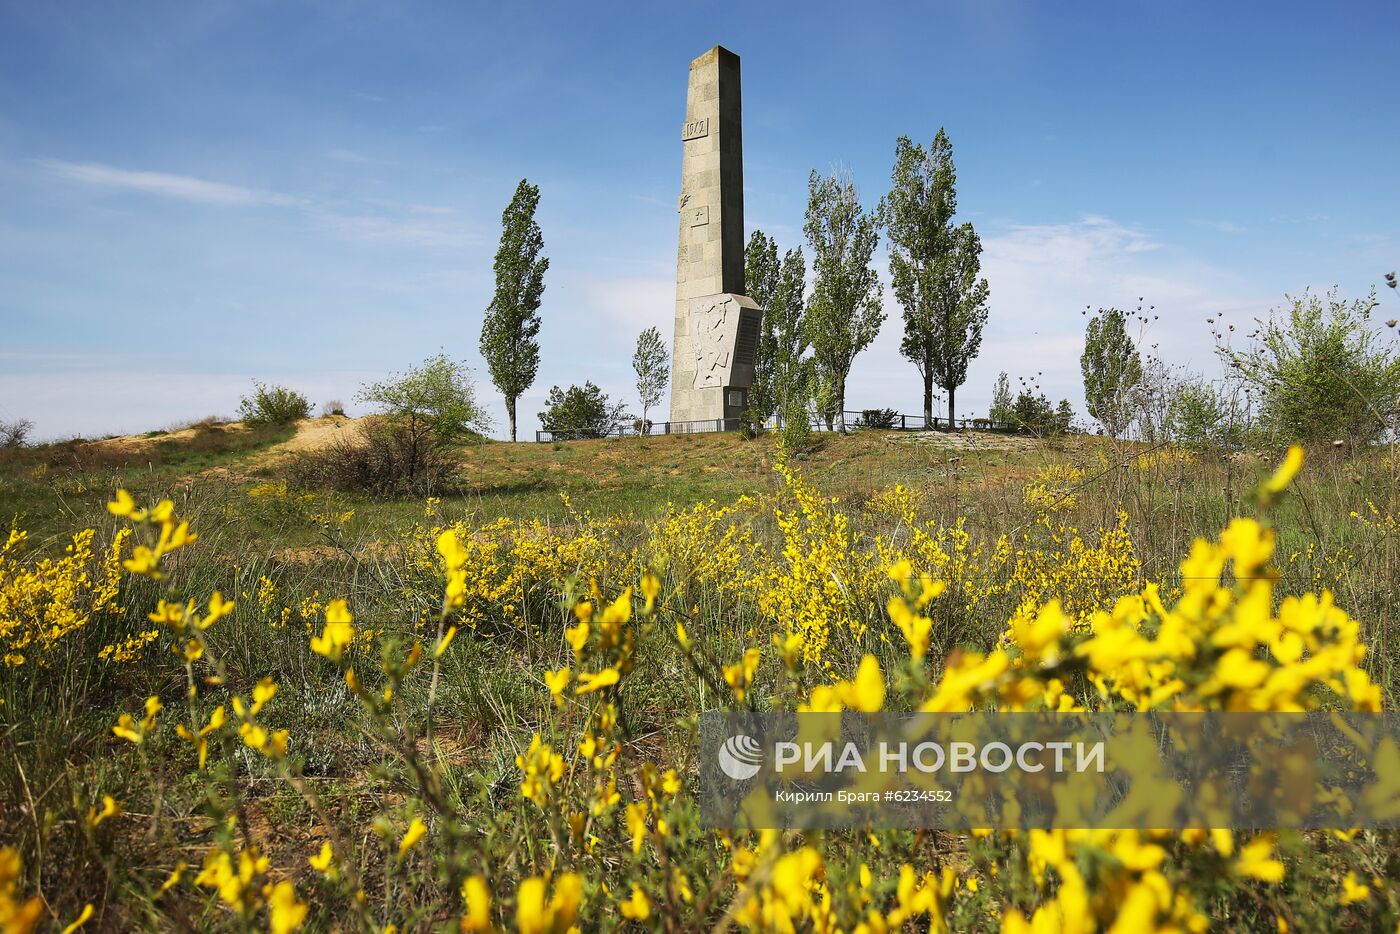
[717,325]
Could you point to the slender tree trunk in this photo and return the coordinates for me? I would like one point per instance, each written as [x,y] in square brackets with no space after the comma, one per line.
[510,411]
[841,404]
[952,394]
[928,398]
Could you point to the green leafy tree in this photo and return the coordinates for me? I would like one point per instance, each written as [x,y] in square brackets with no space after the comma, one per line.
[1064,416]
[512,322]
[935,268]
[651,363]
[1202,417]
[1320,371]
[427,408]
[580,412]
[779,287]
[761,267]
[761,270]
[1033,412]
[1112,370]
[844,312]
[1002,402]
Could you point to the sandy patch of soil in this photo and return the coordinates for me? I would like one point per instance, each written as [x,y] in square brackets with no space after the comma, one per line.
[135,443]
[967,440]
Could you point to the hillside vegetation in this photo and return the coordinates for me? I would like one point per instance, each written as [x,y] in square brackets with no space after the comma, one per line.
[248,705]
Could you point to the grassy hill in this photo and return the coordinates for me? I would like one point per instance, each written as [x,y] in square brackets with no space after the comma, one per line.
[772,585]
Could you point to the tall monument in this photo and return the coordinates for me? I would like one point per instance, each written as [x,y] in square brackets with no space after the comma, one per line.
[717,325]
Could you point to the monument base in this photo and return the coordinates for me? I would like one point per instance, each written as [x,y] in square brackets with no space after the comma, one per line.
[716,345]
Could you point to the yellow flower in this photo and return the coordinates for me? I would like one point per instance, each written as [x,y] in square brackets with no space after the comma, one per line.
[338,633]
[125,506]
[637,824]
[577,636]
[916,628]
[588,682]
[1292,463]
[417,830]
[324,861]
[556,682]
[867,692]
[84,917]
[171,614]
[279,744]
[218,609]
[740,676]
[447,638]
[126,729]
[533,915]
[263,691]
[1257,860]
[253,735]
[476,897]
[638,907]
[173,879]
[110,808]
[216,719]
[1352,891]
[284,913]
[651,586]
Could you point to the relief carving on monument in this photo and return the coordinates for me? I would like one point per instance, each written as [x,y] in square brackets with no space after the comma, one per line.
[711,329]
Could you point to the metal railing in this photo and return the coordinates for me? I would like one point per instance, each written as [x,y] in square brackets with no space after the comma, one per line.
[854,421]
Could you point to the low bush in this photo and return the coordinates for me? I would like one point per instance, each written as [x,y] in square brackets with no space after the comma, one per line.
[382,458]
[879,418]
[580,412]
[273,405]
[796,435]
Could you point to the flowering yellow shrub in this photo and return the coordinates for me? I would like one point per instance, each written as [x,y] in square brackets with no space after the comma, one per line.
[1054,489]
[42,602]
[592,824]
[824,576]
[1085,573]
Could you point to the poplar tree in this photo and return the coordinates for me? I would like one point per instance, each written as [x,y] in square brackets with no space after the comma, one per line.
[1112,370]
[652,369]
[844,312]
[512,322]
[779,287]
[935,268]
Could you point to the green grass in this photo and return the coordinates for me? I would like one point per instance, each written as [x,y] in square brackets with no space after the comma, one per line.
[491,699]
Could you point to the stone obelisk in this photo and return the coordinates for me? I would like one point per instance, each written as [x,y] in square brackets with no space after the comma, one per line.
[717,326]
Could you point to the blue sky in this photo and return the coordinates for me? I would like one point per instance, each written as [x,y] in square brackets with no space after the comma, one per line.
[195,195]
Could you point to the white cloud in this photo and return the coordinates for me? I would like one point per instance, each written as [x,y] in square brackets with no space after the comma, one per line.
[426,226]
[378,228]
[165,184]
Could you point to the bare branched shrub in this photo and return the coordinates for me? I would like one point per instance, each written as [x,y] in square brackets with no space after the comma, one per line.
[15,434]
